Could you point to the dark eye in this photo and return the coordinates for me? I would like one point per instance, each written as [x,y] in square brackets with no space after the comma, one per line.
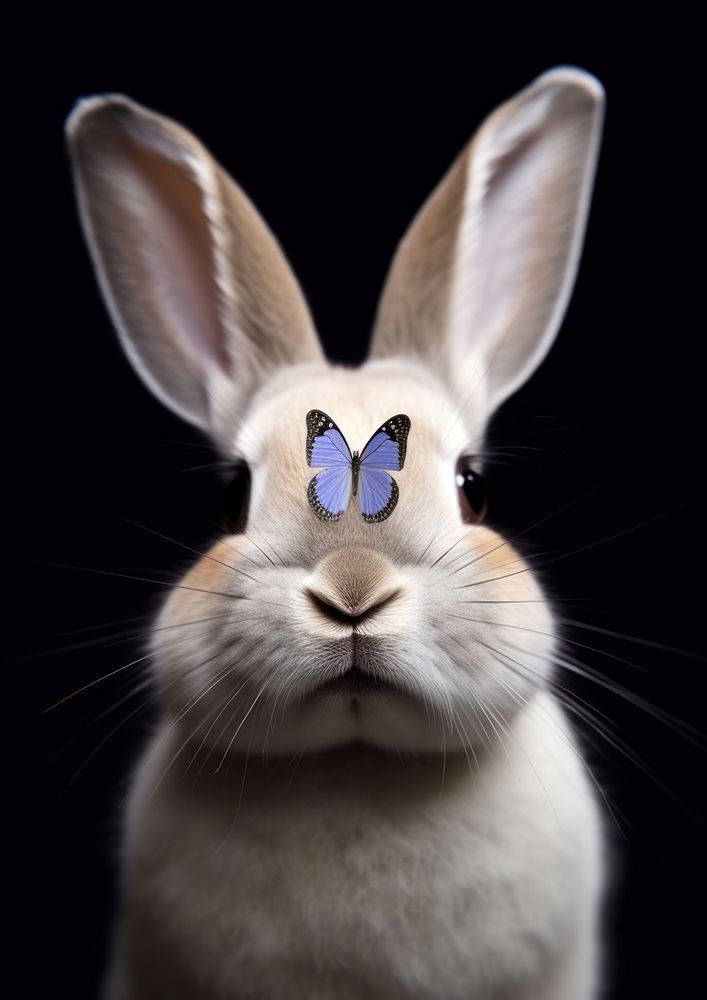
[236,497]
[472,492]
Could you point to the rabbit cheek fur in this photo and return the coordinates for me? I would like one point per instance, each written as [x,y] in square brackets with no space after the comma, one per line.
[435,835]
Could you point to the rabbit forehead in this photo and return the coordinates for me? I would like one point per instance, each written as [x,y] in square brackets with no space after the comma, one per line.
[358,400]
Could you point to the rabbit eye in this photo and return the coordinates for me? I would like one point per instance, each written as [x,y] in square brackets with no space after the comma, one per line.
[235,502]
[472,492]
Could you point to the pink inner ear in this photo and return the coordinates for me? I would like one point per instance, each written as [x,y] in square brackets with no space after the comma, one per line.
[171,235]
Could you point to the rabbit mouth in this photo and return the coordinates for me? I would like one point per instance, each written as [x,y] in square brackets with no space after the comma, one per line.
[356,681]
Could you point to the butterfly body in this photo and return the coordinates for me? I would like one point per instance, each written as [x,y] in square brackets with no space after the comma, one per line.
[355,467]
[345,471]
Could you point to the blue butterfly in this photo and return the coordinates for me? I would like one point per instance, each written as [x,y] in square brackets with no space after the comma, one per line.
[344,473]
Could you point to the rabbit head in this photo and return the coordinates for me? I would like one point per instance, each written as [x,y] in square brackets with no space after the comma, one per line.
[294,634]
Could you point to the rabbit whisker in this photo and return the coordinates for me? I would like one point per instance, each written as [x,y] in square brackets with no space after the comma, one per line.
[467,743]
[96,717]
[252,542]
[590,718]
[634,638]
[474,700]
[511,448]
[102,641]
[625,750]
[540,430]
[567,698]
[142,579]
[93,628]
[590,545]
[245,652]
[270,545]
[297,760]
[503,723]
[188,444]
[559,510]
[247,535]
[444,765]
[236,552]
[240,725]
[446,551]
[204,555]
[224,672]
[240,797]
[129,635]
[208,465]
[131,715]
[537,600]
[486,710]
[565,555]
[524,702]
[220,648]
[209,730]
[434,538]
[286,685]
[677,725]
[135,688]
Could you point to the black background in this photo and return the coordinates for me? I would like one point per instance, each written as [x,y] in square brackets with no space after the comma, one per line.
[338,146]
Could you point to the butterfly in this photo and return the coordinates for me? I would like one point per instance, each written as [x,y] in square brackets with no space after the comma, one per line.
[345,473]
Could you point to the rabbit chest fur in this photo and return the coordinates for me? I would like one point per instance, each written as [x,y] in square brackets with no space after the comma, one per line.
[362,783]
[361,874]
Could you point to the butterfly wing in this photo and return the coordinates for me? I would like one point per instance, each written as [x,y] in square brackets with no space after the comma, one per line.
[329,491]
[377,494]
[326,445]
[386,449]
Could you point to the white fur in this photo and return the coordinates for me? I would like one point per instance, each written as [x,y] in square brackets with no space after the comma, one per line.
[355,878]
[438,837]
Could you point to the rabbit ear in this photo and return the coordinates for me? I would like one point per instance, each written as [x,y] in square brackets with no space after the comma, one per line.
[199,290]
[480,282]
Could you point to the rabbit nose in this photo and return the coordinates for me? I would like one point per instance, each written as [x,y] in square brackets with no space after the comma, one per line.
[351,584]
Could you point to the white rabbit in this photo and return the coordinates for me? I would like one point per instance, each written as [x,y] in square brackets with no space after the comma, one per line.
[439,836]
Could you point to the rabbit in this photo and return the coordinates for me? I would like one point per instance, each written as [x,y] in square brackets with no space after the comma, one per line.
[357,786]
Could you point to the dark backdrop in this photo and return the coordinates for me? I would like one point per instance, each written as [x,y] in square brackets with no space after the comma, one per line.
[338,153]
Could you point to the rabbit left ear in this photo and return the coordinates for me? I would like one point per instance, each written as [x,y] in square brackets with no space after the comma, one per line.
[480,282]
[201,295]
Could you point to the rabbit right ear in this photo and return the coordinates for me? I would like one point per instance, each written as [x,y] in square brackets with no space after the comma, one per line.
[201,295]
[480,282]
